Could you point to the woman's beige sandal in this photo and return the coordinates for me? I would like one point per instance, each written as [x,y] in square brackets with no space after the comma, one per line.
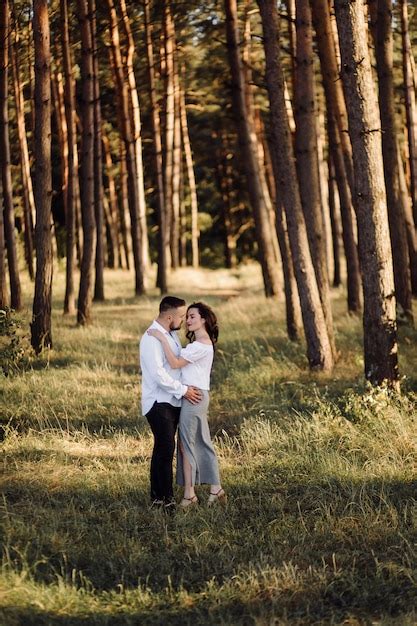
[220,496]
[186,502]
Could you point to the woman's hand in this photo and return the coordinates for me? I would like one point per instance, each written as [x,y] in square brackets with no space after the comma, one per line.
[153,332]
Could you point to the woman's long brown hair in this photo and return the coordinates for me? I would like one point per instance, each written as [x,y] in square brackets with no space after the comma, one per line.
[210,319]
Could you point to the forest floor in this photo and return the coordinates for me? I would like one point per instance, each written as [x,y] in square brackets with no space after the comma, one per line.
[321,472]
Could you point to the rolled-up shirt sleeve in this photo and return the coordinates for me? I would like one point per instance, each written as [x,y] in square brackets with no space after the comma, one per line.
[152,357]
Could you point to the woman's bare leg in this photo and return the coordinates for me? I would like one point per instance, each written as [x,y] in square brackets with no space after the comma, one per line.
[188,475]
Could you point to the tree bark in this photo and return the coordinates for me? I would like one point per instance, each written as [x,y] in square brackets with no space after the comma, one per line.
[381,14]
[410,104]
[256,123]
[409,222]
[339,143]
[28,198]
[290,6]
[306,153]
[380,332]
[169,125]
[191,183]
[85,295]
[113,209]
[128,138]
[319,350]
[226,189]
[98,165]
[293,316]
[157,153]
[8,210]
[124,214]
[41,334]
[176,166]
[4,300]
[137,135]
[335,225]
[249,149]
[183,226]
[346,211]
[72,191]
[330,73]
[57,88]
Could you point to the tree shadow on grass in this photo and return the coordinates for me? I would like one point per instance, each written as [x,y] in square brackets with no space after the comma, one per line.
[90,423]
[63,458]
[341,548]
[249,612]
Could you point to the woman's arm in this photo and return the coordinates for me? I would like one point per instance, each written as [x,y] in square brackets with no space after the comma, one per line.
[174,362]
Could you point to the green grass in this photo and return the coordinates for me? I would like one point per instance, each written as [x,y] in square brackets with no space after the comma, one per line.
[321,524]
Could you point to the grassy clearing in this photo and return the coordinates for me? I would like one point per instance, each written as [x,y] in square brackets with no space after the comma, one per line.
[321,526]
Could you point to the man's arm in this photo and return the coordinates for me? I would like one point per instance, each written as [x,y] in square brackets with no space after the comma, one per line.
[151,359]
[174,361]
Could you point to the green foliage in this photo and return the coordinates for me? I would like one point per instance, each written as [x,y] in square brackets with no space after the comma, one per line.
[15,350]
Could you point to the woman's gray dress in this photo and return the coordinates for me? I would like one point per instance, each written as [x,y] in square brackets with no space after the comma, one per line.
[195,437]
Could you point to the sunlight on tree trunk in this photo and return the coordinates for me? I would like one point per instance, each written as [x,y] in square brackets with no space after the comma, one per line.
[42,301]
[379,324]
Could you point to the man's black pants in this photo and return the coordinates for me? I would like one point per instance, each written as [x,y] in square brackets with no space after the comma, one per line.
[163,420]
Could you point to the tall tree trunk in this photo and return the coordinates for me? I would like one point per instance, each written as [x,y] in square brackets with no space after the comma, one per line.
[191,182]
[8,210]
[157,153]
[292,302]
[41,318]
[169,126]
[4,300]
[98,165]
[330,72]
[73,185]
[410,104]
[346,211]
[381,15]
[57,88]
[324,183]
[183,226]
[124,214]
[85,295]
[306,152]
[380,332]
[28,197]
[249,148]
[128,138]
[137,134]
[290,6]
[31,83]
[293,315]
[335,225]
[177,167]
[339,143]
[226,188]
[409,222]
[113,211]
[255,121]
[319,350]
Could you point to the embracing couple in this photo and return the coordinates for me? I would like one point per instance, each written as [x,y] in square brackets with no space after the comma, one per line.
[175,393]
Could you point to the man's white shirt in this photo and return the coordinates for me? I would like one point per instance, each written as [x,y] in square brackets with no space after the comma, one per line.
[160,382]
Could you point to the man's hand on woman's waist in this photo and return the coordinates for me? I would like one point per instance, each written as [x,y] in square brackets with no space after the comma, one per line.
[193,395]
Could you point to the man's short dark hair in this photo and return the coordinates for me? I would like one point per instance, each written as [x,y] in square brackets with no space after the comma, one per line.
[170,302]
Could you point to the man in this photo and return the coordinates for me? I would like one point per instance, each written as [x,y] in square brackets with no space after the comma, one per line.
[162,391]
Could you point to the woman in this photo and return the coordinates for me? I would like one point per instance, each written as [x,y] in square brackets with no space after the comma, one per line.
[197,461]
